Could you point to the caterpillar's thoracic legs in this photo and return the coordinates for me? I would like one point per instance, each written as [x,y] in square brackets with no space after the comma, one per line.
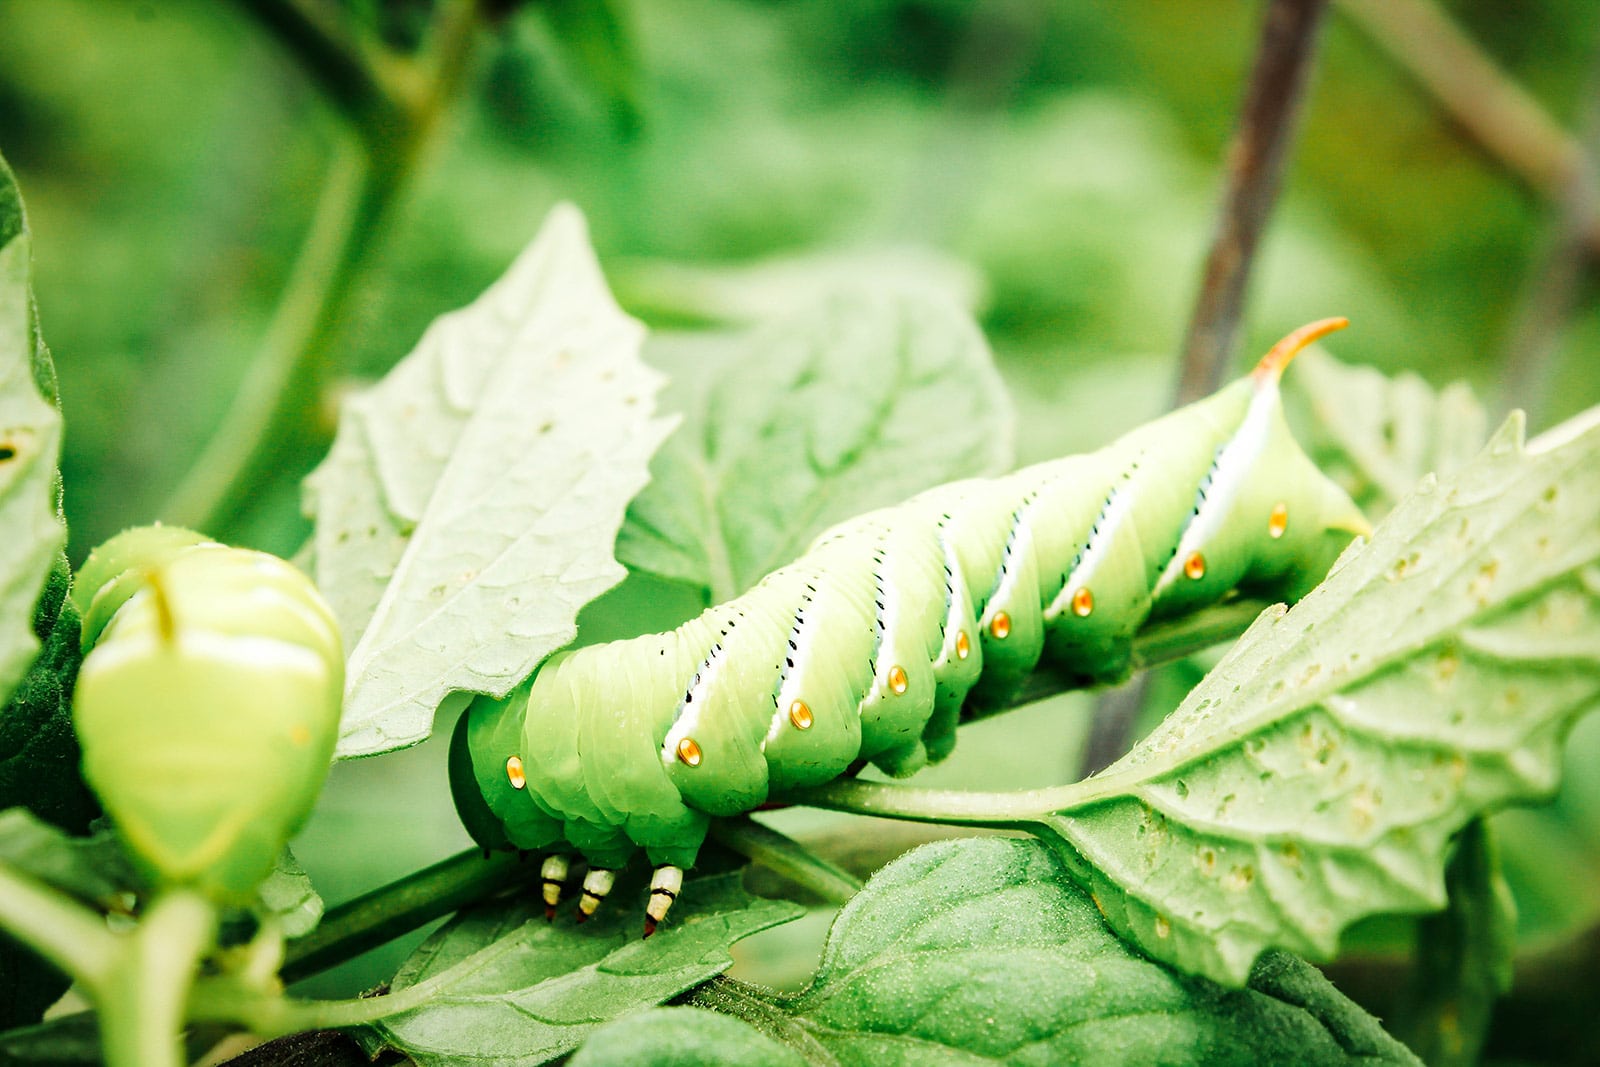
[596,884]
[553,875]
[664,887]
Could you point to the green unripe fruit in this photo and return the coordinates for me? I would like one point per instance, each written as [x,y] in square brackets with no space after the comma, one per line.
[208,707]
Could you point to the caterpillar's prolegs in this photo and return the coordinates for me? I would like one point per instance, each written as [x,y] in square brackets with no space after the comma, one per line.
[553,876]
[596,884]
[665,885]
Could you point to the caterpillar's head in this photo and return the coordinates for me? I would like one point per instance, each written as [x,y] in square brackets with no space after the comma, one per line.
[477,791]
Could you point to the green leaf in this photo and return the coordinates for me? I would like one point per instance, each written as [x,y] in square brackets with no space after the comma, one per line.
[1318,773]
[682,1037]
[30,441]
[982,950]
[518,990]
[1379,434]
[469,505]
[758,291]
[93,869]
[854,404]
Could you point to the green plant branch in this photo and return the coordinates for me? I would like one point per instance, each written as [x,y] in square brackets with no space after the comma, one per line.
[785,856]
[357,75]
[392,105]
[269,1013]
[1489,105]
[142,1005]
[66,933]
[279,400]
[394,909]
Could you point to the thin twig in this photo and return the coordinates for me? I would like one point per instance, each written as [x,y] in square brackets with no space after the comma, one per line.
[279,396]
[393,104]
[350,71]
[1483,100]
[1255,166]
[1267,123]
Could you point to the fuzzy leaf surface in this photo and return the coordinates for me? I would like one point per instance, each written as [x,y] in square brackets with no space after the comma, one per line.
[517,990]
[983,950]
[30,442]
[1318,773]
[470,502]
[853,404]
[683,1037]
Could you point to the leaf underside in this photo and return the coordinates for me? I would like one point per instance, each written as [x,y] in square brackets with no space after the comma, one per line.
[471,500]
[1318,772]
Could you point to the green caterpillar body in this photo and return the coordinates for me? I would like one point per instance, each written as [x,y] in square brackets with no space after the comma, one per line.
[868,646]
[208,706]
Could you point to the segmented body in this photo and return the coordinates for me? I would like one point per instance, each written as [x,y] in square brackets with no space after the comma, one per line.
[869,645]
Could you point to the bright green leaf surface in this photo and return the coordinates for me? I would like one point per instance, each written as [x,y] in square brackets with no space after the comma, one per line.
[470,502]
[523,991]
[1318,772]
[982,950]
[1378,433]
[858,403]
[30,439]
[683,1037]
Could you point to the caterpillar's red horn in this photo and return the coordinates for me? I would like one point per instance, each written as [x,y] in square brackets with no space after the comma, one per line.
[1271,366]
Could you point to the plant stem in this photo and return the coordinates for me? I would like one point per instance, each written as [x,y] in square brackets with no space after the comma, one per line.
[142,1005]
[280,396]
[1016,810]
[393,105]
[394,909]
[269,1013]
[66,933]
[1478,96]
[363,81]
[1255,164]
[785,856]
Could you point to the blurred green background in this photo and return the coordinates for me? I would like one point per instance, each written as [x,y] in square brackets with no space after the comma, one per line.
[1059,165]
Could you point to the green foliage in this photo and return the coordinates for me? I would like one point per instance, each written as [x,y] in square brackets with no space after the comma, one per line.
[981,951]
[1068,158]
[30,436]
[1464,956]
[38,630]
[805,421]
[683,1037]
[467,509]
[1318,772]
[510,988]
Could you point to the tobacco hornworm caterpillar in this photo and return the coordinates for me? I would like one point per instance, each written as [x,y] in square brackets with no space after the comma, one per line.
[868,646]
[208,706]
